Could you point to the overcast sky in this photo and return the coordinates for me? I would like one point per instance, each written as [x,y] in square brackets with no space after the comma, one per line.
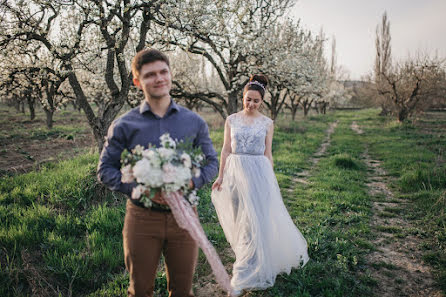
[414,25]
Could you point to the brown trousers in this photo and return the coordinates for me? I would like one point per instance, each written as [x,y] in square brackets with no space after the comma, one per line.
[147,234]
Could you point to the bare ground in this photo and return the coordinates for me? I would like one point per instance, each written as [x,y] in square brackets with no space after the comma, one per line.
[22,150]
[397,263]
[207,286]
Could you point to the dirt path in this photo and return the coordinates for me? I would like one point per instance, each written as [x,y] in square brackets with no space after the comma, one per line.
[303,175]
[207,286]
[396,264]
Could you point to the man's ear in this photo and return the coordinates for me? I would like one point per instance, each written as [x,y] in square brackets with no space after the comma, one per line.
[136,83]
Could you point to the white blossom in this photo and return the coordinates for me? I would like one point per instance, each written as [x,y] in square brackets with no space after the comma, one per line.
[138,191]
[193,198]
[185,158]
[167,141]
[199,158]
[138,149]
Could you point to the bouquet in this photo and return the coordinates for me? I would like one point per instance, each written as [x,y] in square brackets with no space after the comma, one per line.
[166,169]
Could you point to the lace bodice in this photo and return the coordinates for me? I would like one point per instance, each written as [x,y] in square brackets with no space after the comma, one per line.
[248,137]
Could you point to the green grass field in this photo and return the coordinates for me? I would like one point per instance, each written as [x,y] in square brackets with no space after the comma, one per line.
[61,230]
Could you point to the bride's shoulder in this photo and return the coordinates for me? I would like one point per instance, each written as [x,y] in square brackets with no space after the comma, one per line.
[232,117]
[267,120]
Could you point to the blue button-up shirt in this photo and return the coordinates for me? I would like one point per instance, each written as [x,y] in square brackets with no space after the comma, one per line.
[141,126]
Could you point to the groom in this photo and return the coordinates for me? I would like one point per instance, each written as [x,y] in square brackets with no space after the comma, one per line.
[148,232]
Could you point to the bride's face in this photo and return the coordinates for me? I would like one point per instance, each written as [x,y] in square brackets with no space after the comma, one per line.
[252,101]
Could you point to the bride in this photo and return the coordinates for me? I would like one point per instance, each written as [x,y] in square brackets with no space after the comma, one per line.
[248,202]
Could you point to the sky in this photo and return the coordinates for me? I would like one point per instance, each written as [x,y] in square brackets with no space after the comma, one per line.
[415,25]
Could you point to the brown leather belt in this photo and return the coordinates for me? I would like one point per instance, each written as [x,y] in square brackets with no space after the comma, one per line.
[155,206]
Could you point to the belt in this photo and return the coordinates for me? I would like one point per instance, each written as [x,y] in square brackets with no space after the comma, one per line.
[155,206]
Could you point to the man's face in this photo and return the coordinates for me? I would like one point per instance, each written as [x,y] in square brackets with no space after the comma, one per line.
[154,80]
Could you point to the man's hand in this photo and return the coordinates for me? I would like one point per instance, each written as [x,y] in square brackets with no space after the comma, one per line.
[157,198]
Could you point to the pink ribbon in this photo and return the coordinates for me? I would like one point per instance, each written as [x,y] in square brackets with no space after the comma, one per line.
[188,220]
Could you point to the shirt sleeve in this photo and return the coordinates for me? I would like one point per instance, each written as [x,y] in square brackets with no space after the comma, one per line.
[210,169]
[109,172]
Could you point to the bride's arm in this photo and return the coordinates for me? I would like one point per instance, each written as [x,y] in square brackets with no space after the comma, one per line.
[269,144]
[225,151]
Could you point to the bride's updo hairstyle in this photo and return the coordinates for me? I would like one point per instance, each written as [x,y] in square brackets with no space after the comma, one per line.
[257,82]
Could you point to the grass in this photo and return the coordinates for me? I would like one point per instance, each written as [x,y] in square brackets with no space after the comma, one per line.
[61,230]
[415,160]
[63,220]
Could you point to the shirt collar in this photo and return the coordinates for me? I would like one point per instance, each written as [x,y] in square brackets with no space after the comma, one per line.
[145,107]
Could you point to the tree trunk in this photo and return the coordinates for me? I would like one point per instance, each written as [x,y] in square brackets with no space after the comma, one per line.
[402,115]
[32,112]
[22,106]
[49,118]
[273,115]
[76,106]
[306,109]
[324,108]
[383,111]
[293,113]
[99,136]
[95,124]
[232,103]
[273,108]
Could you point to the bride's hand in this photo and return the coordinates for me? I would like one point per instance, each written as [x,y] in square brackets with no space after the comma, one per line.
[217,184]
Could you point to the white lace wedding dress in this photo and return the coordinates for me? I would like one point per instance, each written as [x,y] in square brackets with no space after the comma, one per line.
[251,211]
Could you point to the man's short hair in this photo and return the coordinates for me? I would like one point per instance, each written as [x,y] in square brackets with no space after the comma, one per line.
[147,56]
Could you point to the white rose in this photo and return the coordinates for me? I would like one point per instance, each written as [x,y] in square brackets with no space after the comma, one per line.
[146,174]
[137,191]
[183,176]
[154,178]
[148,154]
[169,173]
[153,157]
[165,153]
[141,169]
[127,174]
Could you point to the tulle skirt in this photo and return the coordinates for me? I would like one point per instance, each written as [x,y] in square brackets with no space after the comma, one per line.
[256,223]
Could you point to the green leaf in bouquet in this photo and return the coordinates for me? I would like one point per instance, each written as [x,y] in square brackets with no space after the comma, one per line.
[125,157]
[146,201]
[152,194]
